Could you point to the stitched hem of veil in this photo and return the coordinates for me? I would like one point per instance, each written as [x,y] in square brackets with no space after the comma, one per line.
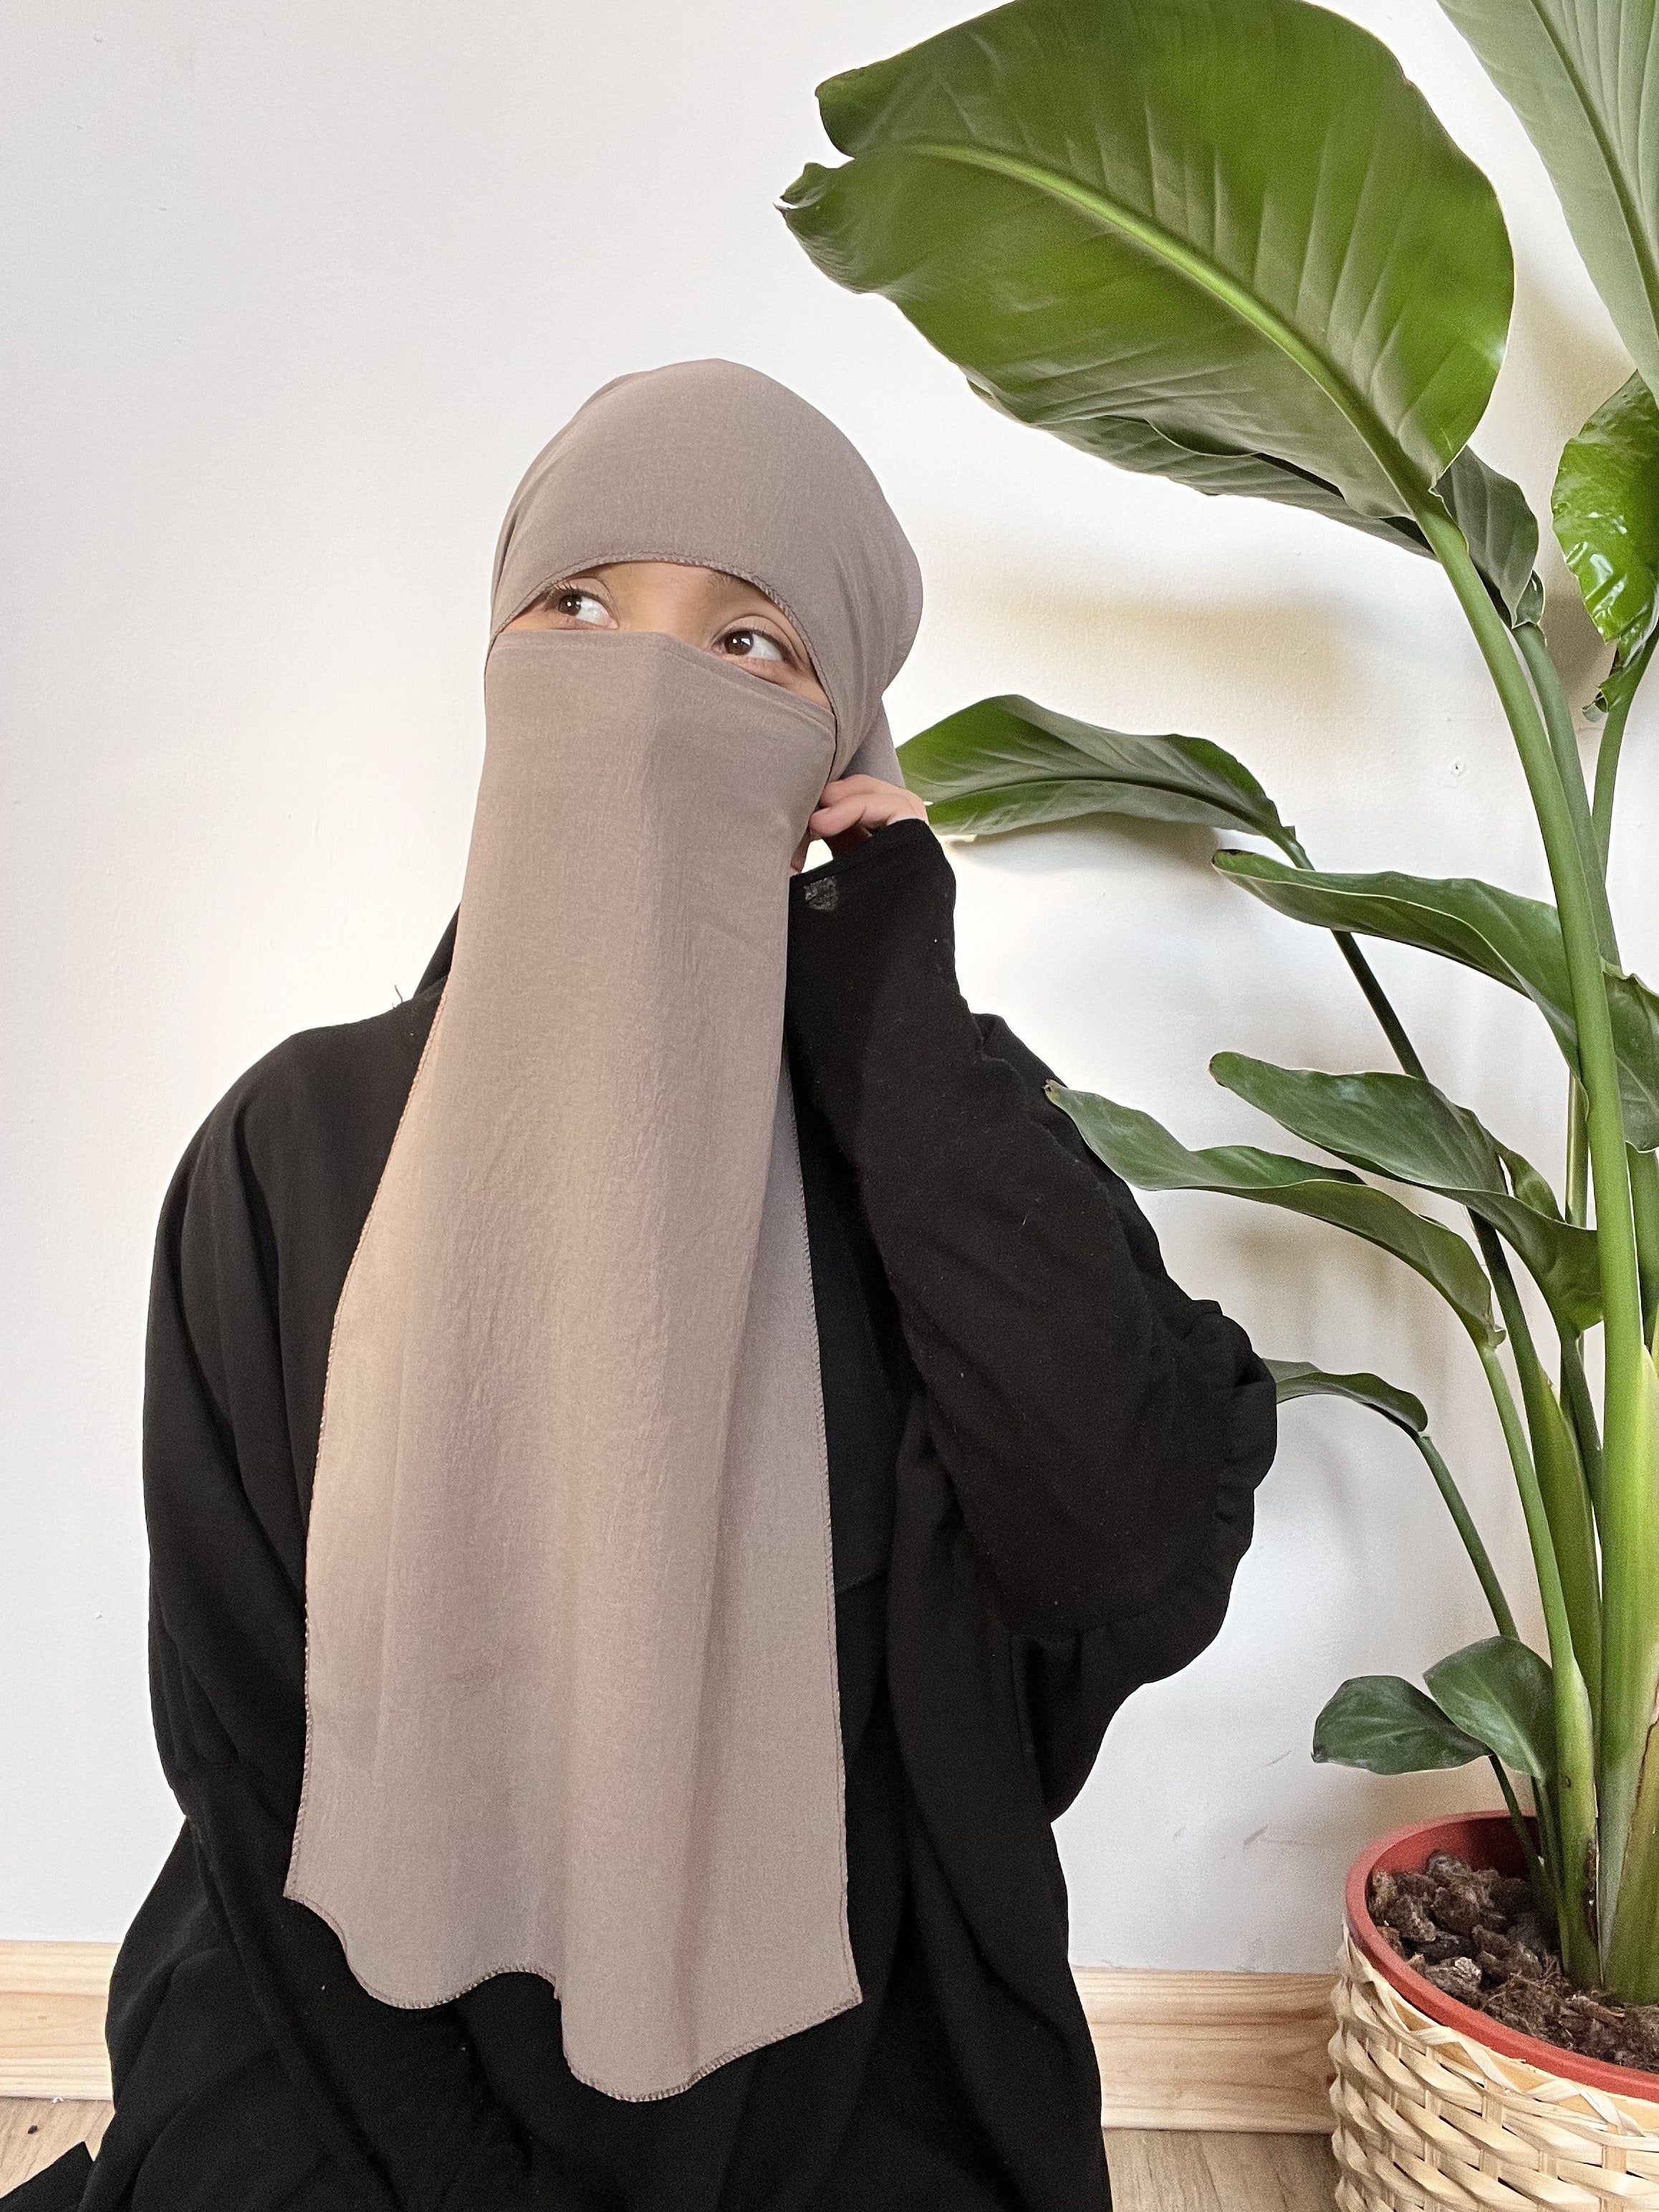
[328,1375]
[810,2019]
[832,1624]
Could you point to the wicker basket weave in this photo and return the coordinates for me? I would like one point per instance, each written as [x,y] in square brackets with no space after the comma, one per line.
[1428,2117]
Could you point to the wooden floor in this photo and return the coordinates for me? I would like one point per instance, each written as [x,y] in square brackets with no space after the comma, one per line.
[1150,2173]
[1217,2172]
[32,2135]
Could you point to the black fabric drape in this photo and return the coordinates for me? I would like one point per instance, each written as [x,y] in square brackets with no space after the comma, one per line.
[1043,1455]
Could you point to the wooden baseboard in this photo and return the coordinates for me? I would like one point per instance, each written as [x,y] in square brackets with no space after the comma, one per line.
[1244,2053]
[51,2019]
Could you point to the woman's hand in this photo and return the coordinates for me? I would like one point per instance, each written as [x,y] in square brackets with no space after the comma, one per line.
[851,809]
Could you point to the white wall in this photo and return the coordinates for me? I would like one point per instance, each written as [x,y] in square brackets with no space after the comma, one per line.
[292,294]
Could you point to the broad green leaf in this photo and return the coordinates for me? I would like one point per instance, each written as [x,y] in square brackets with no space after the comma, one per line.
[1008,764]
[1221,472]
[1502,531]
[1605,508]
[1583,78]
[1500,1693]
[1145,1155]
[1394,1125]
[1295,1378]
[1491,511]
[1514,940]
[1619,686]
[1401,1127]
[1078,202]
[1389,1726]
[1560,1257]
[1635,1012]
[1531,1187]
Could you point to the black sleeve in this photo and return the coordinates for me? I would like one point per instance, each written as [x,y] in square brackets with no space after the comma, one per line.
[395,2096]
[1103,1431]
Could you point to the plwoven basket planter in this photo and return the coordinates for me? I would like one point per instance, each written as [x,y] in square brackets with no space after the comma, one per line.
[1429,2114]
[1425,2116]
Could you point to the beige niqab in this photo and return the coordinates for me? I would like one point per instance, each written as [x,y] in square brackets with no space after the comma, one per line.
[570,1669]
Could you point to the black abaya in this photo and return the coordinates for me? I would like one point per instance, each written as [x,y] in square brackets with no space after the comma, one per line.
[1043,1456]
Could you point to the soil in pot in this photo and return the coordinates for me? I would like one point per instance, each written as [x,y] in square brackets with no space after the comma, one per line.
[1475,1935]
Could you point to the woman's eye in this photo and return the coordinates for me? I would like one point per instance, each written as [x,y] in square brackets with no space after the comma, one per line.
[579,607]
[752,645]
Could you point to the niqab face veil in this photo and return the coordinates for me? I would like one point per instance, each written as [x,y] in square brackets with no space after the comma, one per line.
[570,1668]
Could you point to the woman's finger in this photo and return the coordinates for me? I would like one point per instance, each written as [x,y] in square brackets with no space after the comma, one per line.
[864,798]
[831,821]
[851,807]
[873,791]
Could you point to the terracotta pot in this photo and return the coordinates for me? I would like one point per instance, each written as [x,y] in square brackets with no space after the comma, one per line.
[1484,1839]
[1437,2106]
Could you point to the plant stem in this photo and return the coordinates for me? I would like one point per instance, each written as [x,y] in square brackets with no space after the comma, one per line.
[1630,1522]
[1593,829]
[1564,744]
[1575,1389]
[1578,1174]
[1560,1476]
[1549,1845]
[1644,1198]
[1630,1945]
[1619,691]
[1569,767]
[1541,1887]
[1479,1559]
[1574,1729]
[1365,975]
[1377,999]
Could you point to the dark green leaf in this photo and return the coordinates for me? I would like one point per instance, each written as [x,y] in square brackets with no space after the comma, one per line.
[1295,1378]
[1394,1124]
[1077,201]
[1145,1155]
[1501,530]
[1401,1127]
[1619,685]
[1491,511]
[1514,940]
[1531,1187]
[1501,1692]
[1008,764]
[1583,78]
[1389,1726]
[1222,472]
[1606,506]
[1635,1012]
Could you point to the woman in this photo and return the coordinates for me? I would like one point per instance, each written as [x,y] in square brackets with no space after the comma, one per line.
[663,1454]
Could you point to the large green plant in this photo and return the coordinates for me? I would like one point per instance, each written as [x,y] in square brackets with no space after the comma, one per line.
[1225,241]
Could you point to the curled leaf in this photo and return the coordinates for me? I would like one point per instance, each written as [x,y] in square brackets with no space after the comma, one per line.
[1387,1726]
